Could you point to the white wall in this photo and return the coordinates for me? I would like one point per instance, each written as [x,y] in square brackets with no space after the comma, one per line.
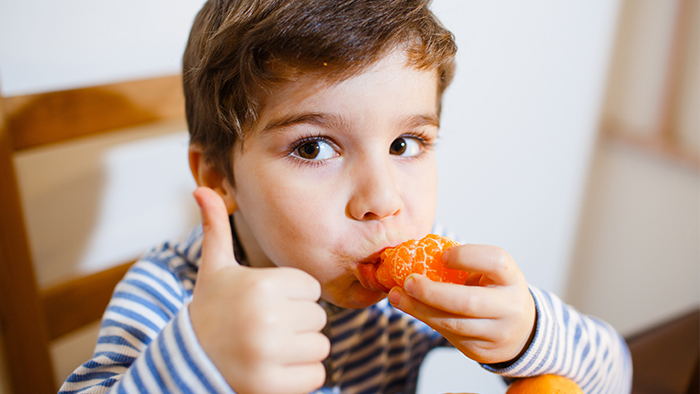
[52,45]
[519,124]
[519,121]
[518,127]
[637,258]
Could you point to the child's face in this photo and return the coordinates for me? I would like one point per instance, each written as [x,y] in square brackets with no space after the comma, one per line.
[334,173]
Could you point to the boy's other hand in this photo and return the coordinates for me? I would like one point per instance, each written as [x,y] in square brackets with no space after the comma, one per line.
[259,326]
[491,319]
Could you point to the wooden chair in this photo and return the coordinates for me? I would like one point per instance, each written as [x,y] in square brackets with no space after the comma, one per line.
[30,316]
[666,356]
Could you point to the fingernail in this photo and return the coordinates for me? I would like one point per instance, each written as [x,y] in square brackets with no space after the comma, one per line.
[409,284]
[394,296]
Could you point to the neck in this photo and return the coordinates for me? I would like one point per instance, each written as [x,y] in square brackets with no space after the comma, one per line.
[249,251]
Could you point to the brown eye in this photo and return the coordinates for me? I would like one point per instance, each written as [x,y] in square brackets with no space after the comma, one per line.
[309,150]
[407,147]
[315,150]
[398,147]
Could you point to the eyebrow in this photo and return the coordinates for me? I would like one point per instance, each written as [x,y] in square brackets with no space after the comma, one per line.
[317,119]
[338,122]
[421,120]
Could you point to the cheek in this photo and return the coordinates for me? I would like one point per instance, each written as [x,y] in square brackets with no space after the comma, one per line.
[289,221]
[420,197]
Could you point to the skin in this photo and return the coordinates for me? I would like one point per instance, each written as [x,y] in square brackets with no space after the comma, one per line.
[331,175]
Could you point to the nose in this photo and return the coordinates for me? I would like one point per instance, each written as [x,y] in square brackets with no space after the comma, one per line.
[376,195]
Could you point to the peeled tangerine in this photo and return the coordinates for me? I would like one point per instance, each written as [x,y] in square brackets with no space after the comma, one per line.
[421,257]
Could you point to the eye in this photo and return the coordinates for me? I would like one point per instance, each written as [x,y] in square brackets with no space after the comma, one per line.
[314,150]
[403,146]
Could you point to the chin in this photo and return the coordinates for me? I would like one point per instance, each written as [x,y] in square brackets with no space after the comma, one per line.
[356,297]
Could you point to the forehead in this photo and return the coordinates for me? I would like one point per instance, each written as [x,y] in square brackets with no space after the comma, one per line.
[388,90]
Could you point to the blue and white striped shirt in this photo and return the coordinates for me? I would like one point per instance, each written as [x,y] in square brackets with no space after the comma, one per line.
[147,345]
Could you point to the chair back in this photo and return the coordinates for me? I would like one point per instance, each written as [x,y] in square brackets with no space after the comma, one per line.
[31,316]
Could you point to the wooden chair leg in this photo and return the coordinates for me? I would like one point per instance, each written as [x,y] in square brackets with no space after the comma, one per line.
[23,329]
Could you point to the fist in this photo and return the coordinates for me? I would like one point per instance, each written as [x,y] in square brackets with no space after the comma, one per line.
[259,326]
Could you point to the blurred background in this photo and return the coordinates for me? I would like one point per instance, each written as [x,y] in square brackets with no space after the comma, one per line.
[570,138]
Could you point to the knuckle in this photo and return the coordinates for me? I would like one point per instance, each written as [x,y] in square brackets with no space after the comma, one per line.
[499,336]
[469,306]
[316,376]
[324,346]
[311,285]
[451,324]
[302,282]
[270,320]
[260,319]
[320,317]
[500,259]
[266,285]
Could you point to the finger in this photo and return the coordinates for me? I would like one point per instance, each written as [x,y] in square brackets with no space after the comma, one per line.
[298,378]
[308,347]
[474,279]
[217,241]
[466,301]
[439,320]
[303,316]
[491,261]
[297,284]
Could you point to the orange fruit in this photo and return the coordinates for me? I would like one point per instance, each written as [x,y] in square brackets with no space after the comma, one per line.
[551,384]
[423,256]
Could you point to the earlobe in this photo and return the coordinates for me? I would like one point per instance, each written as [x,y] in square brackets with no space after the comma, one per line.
[206,174]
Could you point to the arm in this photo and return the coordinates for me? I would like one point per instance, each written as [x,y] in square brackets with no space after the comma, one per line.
[146,342]
[568,343]
[499,321]
[253,330]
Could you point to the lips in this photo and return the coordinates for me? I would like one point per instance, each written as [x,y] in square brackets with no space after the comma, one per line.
[367,269]
[368,277]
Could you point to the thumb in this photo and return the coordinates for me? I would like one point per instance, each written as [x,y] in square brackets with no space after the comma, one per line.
[217,241]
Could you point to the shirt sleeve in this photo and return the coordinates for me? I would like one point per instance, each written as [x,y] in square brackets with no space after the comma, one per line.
[568,343]
[146,343]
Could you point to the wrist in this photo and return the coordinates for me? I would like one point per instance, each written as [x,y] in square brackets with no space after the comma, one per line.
[523,350]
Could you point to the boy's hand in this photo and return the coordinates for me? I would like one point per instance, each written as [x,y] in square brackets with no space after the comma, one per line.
[259,326]
[490,320]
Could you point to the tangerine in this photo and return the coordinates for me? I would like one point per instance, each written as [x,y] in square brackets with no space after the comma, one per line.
[422,256]
[551,384]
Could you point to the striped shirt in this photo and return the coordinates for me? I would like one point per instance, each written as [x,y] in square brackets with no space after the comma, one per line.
[147,345]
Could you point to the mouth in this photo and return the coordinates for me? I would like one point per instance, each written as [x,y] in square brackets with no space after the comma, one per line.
[366,273]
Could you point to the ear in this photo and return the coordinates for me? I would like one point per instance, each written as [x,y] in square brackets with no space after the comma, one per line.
[206,174]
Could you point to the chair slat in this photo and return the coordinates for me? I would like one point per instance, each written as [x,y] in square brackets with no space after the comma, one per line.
[81,301]
[39,119]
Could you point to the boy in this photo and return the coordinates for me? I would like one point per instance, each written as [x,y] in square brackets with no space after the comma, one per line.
[312,124]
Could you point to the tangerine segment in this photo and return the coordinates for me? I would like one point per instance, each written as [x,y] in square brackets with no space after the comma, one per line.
[423,256]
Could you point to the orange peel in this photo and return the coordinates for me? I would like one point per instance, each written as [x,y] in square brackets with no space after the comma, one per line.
[551,384]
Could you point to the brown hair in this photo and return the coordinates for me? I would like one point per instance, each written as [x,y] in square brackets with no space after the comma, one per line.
[238,50]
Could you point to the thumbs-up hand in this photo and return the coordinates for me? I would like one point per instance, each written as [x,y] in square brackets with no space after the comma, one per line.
[259,326]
